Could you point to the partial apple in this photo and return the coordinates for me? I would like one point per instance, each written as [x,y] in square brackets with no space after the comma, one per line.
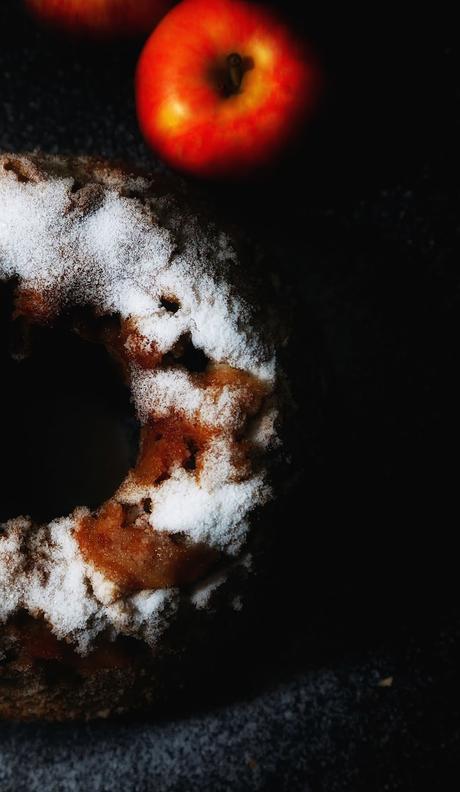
[222,87]
[101,18]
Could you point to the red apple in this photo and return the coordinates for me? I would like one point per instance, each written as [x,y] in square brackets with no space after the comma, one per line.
[104,18]
[222,86]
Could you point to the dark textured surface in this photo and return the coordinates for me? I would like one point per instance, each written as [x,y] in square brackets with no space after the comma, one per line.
[362,227]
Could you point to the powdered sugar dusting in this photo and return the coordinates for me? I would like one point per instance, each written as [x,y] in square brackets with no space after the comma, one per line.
[217,517]
[159,392]
[129,256]
[119,258]
[58,587]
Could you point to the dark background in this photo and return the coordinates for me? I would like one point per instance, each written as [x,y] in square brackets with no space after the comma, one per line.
[361,223]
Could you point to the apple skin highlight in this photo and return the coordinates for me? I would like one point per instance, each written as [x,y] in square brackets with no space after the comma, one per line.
[206,118]
[100,18]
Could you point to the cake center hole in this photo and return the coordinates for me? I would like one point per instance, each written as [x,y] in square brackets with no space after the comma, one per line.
[68,430]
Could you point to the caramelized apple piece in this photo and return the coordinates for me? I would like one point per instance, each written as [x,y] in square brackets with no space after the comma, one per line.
[167,442]
[136,556]
[252,390]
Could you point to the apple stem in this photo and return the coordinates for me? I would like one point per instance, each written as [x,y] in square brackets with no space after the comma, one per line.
[234,72]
